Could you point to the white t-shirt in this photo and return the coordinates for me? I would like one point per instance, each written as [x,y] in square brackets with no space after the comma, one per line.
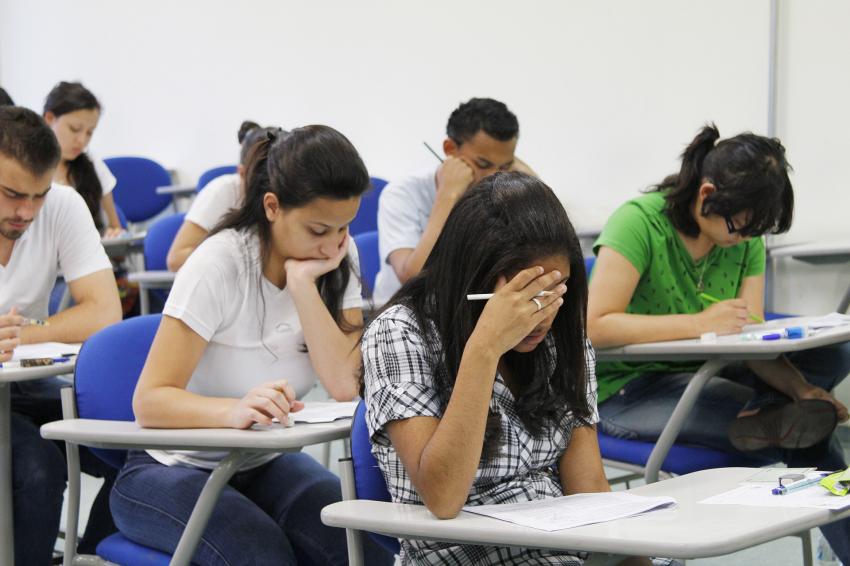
[107,179]
[403,212]
[217,294]
[62,238]
[217,199]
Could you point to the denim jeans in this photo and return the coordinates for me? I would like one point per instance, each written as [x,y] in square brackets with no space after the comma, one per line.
[641,409]
[39,473]
[266,515]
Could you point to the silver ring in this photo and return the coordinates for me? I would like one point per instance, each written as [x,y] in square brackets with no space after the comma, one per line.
[538,303]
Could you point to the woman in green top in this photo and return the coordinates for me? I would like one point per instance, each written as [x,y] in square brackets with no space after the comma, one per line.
[697,234]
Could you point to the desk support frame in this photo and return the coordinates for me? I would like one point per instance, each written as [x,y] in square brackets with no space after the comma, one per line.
[7,537]
[680,414]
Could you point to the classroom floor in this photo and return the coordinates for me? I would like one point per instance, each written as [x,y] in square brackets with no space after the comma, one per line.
[783,552]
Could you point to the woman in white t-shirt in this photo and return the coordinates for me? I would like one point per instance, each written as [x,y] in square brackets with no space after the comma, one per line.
[73,112]
[268,304]
[219,197]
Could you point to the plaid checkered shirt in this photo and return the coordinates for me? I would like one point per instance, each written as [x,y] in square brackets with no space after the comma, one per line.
[400,365]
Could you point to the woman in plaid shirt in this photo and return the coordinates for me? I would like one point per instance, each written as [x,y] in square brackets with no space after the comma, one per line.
[474,402]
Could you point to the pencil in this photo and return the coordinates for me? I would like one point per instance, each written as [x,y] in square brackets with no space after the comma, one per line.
[711,299]
[486,296]
[431,149]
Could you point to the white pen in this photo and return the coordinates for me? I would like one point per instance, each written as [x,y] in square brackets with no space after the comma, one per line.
[486,296]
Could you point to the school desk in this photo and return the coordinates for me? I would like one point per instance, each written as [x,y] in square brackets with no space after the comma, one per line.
[7,377]
[690,530]
[147,280]
[716,355]
[818,253]
[124,435]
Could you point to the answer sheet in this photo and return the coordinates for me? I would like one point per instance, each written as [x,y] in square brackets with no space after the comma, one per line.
[44,350]
[573,510]
[760,496]
[324,412]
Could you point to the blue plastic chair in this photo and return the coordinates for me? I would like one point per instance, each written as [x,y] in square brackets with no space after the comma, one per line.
[158,240]
[211,174]
[108,367]
[362,479]
[135,193]
[370,260]
[367,217]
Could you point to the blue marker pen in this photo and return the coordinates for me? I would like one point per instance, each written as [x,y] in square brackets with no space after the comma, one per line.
[797,485]
[792,333]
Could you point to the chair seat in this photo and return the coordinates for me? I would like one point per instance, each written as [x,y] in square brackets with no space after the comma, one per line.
[121,550]
[682,459]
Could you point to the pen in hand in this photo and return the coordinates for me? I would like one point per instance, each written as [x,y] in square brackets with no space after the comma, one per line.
[710,299]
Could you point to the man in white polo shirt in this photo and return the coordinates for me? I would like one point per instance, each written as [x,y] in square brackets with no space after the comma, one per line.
[45,229]
[481,137]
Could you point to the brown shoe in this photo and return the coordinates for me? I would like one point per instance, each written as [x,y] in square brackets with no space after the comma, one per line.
[800,424]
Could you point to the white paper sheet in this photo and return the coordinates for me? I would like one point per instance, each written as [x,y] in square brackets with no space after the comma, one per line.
[573,510]
[44,350]
[323,412]
[829,321]
[771,475]
[760,496]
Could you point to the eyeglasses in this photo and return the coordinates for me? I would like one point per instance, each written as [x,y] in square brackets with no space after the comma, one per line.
[730,225]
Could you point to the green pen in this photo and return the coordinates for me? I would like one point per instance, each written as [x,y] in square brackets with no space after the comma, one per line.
[711,299]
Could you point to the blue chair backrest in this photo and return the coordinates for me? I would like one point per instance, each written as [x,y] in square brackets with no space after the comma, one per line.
[368,480]
[211,174]
[370,260]
[138,178]
[108,367]
[159,239]
[367,217]
[122,218]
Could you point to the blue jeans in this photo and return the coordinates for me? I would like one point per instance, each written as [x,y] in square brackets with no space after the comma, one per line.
[39,472]
[641,409]
[266,515]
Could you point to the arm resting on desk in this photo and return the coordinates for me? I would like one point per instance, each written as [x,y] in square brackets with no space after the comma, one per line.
[96,306]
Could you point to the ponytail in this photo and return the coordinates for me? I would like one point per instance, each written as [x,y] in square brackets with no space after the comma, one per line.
[682,187]
[252,214]
[750,173]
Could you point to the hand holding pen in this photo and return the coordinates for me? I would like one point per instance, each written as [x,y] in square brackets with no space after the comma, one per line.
[10,333]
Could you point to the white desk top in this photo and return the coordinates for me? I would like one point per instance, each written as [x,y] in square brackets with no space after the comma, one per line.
[125,434]
[691,530]
[176,190]
[727,347]
[834,251]
[154,277]
[122,245]
[8,375]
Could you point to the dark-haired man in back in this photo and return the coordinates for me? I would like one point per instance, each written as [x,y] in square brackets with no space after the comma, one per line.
[481,137]
[45,229]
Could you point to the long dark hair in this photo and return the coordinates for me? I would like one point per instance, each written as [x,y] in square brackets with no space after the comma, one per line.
[750,173]
[298,167]
[63,99]
[503,224]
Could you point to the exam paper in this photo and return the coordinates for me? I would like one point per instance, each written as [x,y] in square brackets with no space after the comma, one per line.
[44,350]
[829,321]
[760,496]
[573,510]
[324,412]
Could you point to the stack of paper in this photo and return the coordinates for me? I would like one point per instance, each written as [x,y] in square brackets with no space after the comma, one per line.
[573,510]
[761,496]
[319,412]
[44,350]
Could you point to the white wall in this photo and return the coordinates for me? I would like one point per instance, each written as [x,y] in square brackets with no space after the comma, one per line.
[608,92]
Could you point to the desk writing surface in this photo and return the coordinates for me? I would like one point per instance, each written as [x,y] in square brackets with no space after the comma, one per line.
[126,434]
[832,251]
[730,347]
[154,277]
[692,530]
[8,375]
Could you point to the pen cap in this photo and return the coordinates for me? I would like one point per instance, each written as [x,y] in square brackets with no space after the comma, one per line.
[795,332]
